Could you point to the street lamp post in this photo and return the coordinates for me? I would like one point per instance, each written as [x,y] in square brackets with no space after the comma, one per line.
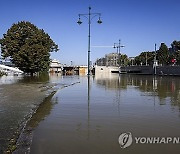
[118,46]
[89,16]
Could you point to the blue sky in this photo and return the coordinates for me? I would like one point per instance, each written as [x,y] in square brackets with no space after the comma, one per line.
[138,23]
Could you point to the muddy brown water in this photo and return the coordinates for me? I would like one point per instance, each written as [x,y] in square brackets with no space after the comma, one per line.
[88,117]
[19,97]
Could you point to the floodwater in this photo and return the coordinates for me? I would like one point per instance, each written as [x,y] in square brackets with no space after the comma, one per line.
[87,115]
[19,98]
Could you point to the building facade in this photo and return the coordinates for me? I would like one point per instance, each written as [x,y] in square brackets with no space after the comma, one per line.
[55,66]
[110,59]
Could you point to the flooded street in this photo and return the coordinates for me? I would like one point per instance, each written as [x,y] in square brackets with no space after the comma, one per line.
[90,77]
[19,98]
[89,117]
[81,115]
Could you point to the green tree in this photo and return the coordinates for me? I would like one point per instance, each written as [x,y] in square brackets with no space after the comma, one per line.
[177,57]
[28,47]
[176,51]
[144,57]
[163,54]
[124,60]
[175,45]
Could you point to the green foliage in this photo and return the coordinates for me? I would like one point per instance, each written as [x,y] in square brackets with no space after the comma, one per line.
[124,60]
[177,57]
[144,57]
[28,47]
[163,54]
[176,51]
[175,45]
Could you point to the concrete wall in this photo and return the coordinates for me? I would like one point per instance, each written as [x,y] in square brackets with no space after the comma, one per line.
[105,69]
[168,70]
[160,70]
[137,69]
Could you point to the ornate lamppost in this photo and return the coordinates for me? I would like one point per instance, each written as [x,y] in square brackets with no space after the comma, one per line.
[89,16]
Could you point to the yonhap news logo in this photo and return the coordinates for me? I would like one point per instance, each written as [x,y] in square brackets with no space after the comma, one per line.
[126,140]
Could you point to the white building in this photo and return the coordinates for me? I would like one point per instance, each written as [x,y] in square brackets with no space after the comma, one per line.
[55,66]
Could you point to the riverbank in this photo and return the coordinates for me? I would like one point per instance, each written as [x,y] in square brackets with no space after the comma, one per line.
[23,142]
[20,97]
[46,91]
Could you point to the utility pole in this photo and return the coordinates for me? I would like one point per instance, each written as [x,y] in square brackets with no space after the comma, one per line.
[118,46]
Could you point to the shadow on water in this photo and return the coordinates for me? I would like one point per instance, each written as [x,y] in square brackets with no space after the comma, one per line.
[20,97]
[43,110]
[41,113]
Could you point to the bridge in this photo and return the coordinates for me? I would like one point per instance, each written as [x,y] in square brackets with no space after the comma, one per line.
[9,70]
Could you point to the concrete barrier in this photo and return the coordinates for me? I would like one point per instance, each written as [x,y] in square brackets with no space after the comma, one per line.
[160,70]
[106,69]
[168,70]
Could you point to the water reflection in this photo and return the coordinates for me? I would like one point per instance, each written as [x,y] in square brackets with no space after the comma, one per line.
[42,78]
[89,117]
[109,81]
[24,79]
[88,97]
[42,112]
[10,79]
[162,87]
